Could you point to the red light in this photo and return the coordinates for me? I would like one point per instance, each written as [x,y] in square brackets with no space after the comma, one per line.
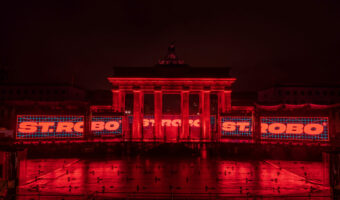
[106,125]
[171,122]
[45,126]
[112,126]
[28,127]
[276,128]
[236,126]
[295,128]
[279,128]
[313,129]
[49,126]
[97,126]
[64,126]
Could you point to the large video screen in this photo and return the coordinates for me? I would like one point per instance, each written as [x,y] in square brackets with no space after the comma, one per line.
[240,126]
[295,128]
[49,126]
[106,125]
[171,125]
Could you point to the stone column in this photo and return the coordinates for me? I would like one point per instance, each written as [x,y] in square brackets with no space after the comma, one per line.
[138,110]
[225,100]
[122,101]
[125,121]
[205,114]
[116,100]
[158,114]
[221,108]
[227,95]
[185,114]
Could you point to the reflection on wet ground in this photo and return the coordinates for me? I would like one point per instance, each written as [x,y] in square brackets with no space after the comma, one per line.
[170,178]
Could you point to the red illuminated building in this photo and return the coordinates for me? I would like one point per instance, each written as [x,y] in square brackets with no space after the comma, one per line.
[171,76]
[199,110]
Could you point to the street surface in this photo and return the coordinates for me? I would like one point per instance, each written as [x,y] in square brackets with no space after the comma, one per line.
[170,178]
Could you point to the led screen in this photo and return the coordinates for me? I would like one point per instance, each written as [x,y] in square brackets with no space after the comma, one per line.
[213,125]
[171,125]
[173,120]
[49,127]
[148,127]
[106,125]
[194,127]
[295,128]
[236,126]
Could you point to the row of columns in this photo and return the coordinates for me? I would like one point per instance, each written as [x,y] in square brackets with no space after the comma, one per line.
[224,105]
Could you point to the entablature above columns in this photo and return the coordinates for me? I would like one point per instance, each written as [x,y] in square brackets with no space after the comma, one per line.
[172,84]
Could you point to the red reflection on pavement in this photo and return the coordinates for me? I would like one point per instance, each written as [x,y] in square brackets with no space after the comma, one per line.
[135,177]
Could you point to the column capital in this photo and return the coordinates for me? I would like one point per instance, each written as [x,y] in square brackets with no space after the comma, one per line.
[119,90]
[185,114]
[136,87]
[157,88]
[206,88]
[138,108]
[205,114]
[186,88]
[138,91]
[158,134]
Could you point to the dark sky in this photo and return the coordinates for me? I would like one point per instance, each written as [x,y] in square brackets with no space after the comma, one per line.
[265,42]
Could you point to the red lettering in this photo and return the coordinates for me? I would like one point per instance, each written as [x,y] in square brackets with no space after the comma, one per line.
[294,128]
[64,127]
[166,122]
[264,128]
[276,128]
[79,127]
[279,128]
[97,126]
[196,123]
[169,122]
[152,122]
[111,125]
[146,122]
[45,126]
[28,127]
[228,126]
[313,129]
[176,122]
[242,125]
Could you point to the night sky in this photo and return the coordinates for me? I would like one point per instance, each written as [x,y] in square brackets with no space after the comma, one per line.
[264,42]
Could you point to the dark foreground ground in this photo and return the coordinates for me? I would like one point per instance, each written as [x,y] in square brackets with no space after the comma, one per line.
[172,172]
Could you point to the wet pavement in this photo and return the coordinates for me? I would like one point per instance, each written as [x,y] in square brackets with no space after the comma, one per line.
[170,178]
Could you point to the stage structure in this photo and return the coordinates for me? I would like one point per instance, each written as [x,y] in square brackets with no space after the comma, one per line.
[171,76]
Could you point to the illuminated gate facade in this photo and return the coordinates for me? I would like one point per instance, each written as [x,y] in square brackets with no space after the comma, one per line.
[300,123]
[171,76]
[159,86]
